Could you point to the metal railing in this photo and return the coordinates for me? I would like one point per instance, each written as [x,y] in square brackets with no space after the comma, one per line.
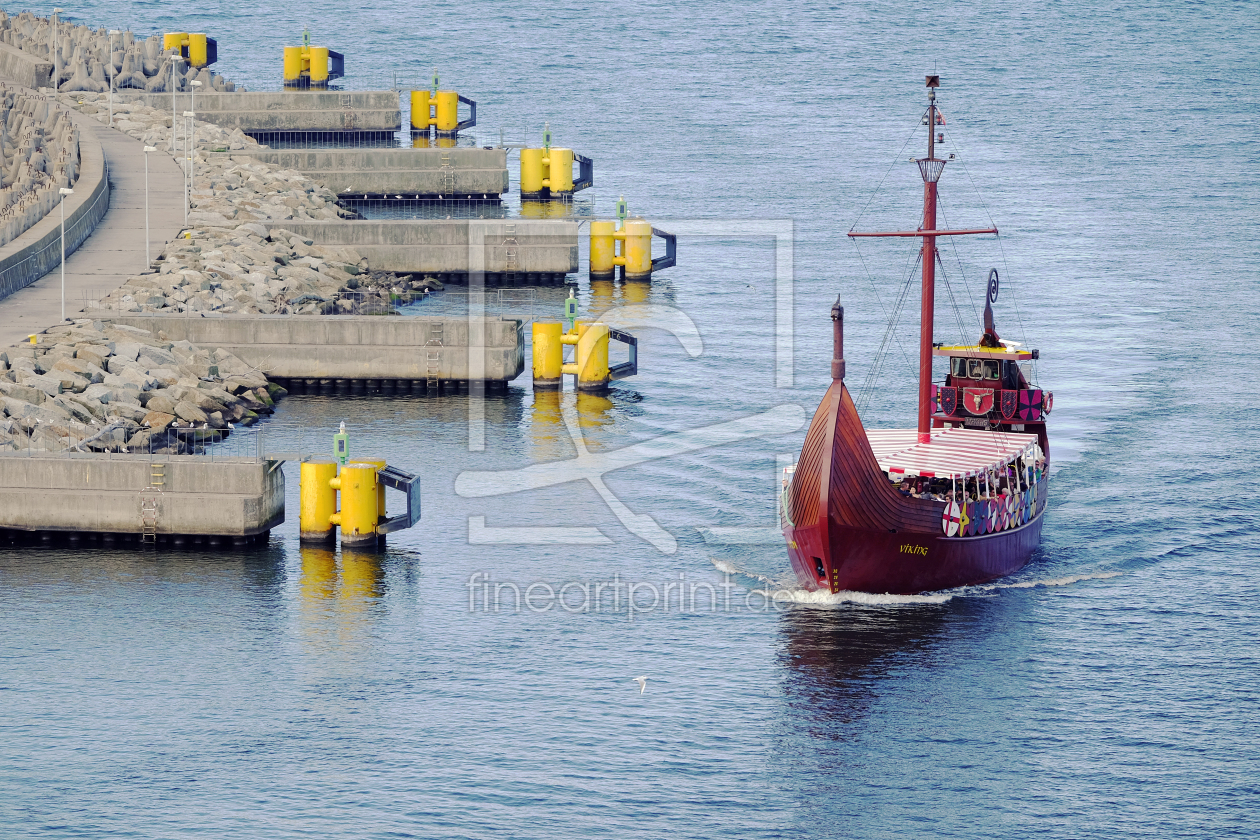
[39,263]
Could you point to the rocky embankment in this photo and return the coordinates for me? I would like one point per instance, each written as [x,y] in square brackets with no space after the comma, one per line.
[89,59]
[39,154]
[227,260]
[103,387]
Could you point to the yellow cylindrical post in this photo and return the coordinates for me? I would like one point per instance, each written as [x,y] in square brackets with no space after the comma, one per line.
[592,358]
[531,172]
[293,66]
[358,515]
[319,499]
[173,41]
[603,250]
[638,250]
[380,464]
[420,117]
[318,58]
[561,174]
[548,354]
[197,52]
[447,117]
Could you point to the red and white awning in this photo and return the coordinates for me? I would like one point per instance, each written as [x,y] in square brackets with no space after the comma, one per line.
[952,453]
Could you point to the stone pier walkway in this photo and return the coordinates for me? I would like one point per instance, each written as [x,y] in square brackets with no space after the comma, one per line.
[115,250]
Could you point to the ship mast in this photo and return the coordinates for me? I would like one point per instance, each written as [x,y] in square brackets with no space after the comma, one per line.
[930,168]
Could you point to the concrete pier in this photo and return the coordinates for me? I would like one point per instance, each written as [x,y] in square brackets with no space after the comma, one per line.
[398,173]
[27,70]
[354,347]
[289,112]
[127,494]
[448,246]
[115,250]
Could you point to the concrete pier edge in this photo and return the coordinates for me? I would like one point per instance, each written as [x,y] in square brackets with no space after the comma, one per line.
[37,251]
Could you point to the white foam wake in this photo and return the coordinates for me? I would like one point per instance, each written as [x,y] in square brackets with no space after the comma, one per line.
[819,598]
[790,593]
[1063,581]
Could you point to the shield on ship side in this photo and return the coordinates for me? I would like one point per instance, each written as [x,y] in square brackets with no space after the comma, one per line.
[1009,403]
[978,401]
[1030,405]
[949,401]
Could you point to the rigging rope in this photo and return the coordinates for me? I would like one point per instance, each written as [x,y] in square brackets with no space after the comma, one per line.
[874,373]
[875,192]
[950,289]
[1019,317]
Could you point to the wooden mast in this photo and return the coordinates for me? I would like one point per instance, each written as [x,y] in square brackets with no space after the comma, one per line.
[931,173]
[930,168]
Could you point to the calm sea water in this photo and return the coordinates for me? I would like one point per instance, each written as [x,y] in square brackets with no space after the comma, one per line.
[1108,690]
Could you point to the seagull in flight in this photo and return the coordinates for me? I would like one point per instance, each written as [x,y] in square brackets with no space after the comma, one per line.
[642,681]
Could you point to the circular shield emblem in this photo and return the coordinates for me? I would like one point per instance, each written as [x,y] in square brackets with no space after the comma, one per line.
[950,519]
[994,517]
[966,525]
[993,285]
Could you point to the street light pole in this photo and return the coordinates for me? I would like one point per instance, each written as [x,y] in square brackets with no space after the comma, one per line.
[190,126]
[56,82]
[148,263]
[175,59]
[113,74]
[65,191]
[190,139]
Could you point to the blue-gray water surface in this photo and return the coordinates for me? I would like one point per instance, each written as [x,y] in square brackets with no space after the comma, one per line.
[1108,690]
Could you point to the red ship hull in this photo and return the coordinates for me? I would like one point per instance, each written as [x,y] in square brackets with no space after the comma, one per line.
[848,528]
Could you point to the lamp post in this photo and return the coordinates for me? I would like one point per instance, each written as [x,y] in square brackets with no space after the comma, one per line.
[148,263]
[56,81]
[65,191]
[190,126]
[175,59]
[113,74]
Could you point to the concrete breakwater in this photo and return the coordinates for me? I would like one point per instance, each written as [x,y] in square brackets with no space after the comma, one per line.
[39,155]
[227,260]
[88,60]
[103,387]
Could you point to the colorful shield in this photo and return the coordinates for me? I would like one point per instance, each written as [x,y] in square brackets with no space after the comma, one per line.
[995,518]
[949,401]
[1029,405]
[965,523]
[950,520]
[1009,403]
[978,401]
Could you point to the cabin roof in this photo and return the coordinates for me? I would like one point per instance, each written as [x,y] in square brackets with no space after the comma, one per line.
[975,351]
[952,453]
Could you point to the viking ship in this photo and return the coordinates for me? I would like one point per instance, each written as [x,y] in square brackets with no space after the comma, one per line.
[957,500]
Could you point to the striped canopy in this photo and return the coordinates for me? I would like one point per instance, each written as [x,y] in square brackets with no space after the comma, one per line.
[952,453]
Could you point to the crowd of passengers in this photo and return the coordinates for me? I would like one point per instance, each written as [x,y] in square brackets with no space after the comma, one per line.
[1015,478]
